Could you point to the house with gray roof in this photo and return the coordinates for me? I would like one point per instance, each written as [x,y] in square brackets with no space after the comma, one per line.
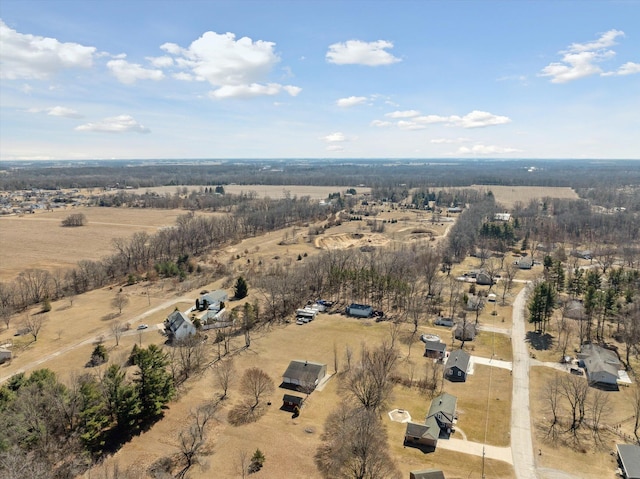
[434,349]
[602,365]
[178,326]
[457,366]
[427,474]
[629,460]
[211,300]
[304,374]
[438,423]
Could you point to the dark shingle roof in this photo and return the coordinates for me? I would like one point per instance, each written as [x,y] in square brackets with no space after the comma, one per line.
[630,459]
[427,474]
[435,346]
[302,370]
[460,359]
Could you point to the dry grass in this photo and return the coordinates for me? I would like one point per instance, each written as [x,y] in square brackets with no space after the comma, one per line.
[509,195]
[587,460]
[272,191]
[38,240]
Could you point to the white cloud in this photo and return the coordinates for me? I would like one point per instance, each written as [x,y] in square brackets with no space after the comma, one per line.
[26,89]
[57,111]
[236,68]
[380,123]
[255,89]
[161,62]
[412,120]
[335,148]
[356,52]
[115,124]
[351,101]
[480,119]
[129,73]
[336,137]
[628,68]
[581,60]
[486,150]
[25,56]
[403,114]
[439,141]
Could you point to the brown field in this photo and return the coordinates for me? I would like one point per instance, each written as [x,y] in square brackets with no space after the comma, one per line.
[272,191]
[38,240]
[509,195]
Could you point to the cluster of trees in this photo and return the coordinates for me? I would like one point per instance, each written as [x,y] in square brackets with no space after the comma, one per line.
[168,251]
[464,234]
[97,174]
[60,427]
[75,219]
[355,440]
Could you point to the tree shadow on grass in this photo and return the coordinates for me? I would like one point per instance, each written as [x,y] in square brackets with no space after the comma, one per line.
[243,413]
[539,341]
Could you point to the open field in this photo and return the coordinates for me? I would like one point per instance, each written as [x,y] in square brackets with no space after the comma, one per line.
[272,191]
[509,195]
[38,240]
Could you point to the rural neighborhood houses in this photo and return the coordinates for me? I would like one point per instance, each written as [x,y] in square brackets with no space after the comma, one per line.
[304,374]
[438,424]
[211,300]
[434,349]
[601,365]
[457,366]
[178,326]
[629,460]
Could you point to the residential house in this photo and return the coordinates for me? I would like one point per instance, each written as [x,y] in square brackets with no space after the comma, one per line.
[502,217]
[304,374]
[5,355]
[438,423]
[629,460]
[290,402]
[434,349]
[457,366]
[427,474]
[440,321]
[474,303]
[525,262]
[213,319]
[178,326]
[211,300]
[601,365]
[466,332]
[359,310]
[484,279]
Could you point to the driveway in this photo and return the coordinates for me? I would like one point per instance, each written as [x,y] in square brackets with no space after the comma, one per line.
[477,449]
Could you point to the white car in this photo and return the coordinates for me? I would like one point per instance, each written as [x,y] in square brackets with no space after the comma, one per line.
[142,326]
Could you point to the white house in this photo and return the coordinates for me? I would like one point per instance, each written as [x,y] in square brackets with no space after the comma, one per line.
[178,326]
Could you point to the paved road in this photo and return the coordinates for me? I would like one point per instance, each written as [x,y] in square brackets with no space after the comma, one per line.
[521,443]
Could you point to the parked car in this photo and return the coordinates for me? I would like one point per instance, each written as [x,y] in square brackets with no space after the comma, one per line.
[143,326]
[576,371]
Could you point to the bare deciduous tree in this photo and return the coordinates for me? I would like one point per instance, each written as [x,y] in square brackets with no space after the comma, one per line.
[552,399]
[120,301]
[224,372]
[193,438]
[33,324]
[256,384]
[117,329]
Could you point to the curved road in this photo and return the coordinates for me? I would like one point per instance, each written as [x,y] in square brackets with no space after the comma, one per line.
[521,443]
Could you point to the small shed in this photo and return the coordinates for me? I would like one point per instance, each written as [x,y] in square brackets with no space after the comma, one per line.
[484,279]
[434,349]
[629,460]
[291,402]
[457,366]
[359,310]
[427,474]
[305,374]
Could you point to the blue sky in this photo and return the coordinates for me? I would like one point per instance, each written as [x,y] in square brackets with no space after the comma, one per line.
[319,79]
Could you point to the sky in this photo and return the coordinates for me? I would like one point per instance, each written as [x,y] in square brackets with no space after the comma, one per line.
[131,79]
